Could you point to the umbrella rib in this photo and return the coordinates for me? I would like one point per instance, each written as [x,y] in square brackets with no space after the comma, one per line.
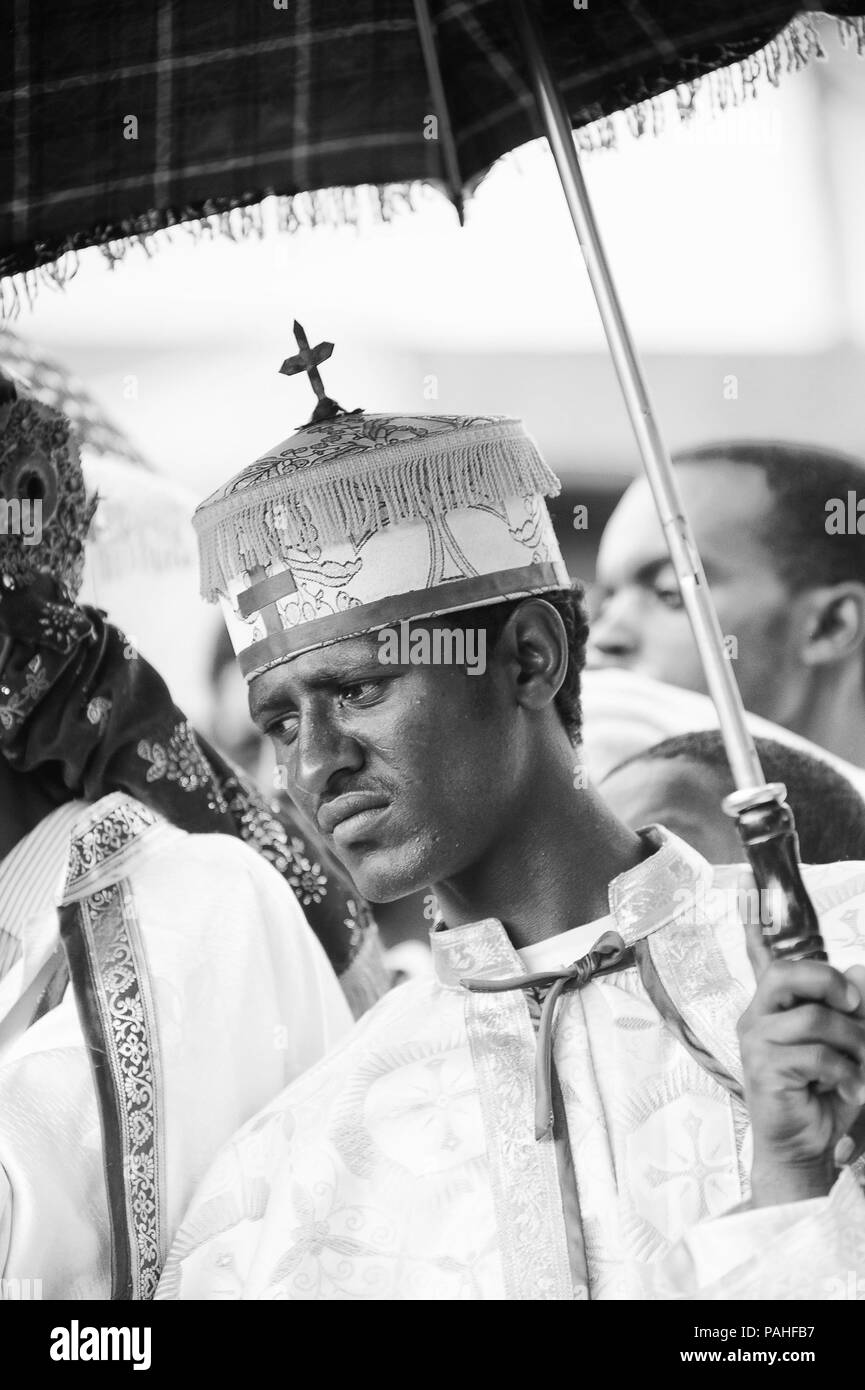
[440,102]
[571,86]
[465,15]
[652,29]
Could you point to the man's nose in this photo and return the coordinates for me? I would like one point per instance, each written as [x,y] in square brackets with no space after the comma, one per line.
[614,632]
[321,751]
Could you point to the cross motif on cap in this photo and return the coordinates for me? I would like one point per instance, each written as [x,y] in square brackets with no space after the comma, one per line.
[309,360]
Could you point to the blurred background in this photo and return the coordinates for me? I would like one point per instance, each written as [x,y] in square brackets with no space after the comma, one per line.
[737,241]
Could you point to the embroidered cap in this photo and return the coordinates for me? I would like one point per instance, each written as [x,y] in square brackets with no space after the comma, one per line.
[359,521]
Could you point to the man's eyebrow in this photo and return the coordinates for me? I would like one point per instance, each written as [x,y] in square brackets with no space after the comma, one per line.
[261,706]
[648,573]
[643,573]
[348,668]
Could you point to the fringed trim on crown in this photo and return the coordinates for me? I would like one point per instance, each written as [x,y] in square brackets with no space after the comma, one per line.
[328,504]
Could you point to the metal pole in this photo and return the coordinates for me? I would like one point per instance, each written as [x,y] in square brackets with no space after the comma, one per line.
[744,762]
[442,110]
[765,821]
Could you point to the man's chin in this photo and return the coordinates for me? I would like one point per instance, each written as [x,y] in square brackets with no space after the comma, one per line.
[383,875]
[387,884]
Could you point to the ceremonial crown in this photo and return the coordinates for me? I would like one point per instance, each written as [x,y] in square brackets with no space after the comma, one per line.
[358,521]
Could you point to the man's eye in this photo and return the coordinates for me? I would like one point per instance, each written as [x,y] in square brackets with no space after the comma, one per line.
[359,692]
[668,594]
[283,730]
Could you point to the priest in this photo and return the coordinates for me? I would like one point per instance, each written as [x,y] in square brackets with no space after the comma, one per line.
[589,1099]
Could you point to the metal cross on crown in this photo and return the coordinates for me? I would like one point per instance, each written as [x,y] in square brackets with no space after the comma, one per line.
[309,360]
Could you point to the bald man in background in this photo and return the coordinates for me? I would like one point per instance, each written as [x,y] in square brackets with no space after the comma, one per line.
[790,595]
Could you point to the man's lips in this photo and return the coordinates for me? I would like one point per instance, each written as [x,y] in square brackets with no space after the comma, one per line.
[343,808]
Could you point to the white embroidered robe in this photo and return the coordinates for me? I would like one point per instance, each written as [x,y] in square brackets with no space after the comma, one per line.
[206,993]
[405,1165]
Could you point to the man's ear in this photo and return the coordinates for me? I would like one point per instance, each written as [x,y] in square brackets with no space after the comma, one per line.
[534,649]
[833,623]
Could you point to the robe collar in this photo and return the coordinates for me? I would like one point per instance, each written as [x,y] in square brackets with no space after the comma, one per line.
[661,888]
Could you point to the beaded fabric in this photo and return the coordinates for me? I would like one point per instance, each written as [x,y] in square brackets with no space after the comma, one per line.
[45,512]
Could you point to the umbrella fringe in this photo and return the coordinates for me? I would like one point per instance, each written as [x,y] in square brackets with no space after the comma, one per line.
[725,88]
[21,288]
[349,206]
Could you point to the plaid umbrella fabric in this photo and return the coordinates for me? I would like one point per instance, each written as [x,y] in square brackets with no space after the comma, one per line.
[119,120]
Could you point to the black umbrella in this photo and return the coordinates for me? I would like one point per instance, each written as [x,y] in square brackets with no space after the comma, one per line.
[118,120]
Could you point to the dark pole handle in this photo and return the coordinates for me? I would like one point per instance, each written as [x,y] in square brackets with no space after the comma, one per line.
[788,923]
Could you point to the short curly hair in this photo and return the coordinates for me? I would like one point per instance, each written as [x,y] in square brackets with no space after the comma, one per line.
[802,479]
[829,812]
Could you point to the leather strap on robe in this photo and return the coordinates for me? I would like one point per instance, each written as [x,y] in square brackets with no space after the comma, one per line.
[608,954]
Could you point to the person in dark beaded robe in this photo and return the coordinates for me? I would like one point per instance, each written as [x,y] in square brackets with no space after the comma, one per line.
[158,977]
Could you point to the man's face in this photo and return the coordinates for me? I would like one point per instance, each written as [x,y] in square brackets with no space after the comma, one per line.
[683,795]
[407,771]
[639,621]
